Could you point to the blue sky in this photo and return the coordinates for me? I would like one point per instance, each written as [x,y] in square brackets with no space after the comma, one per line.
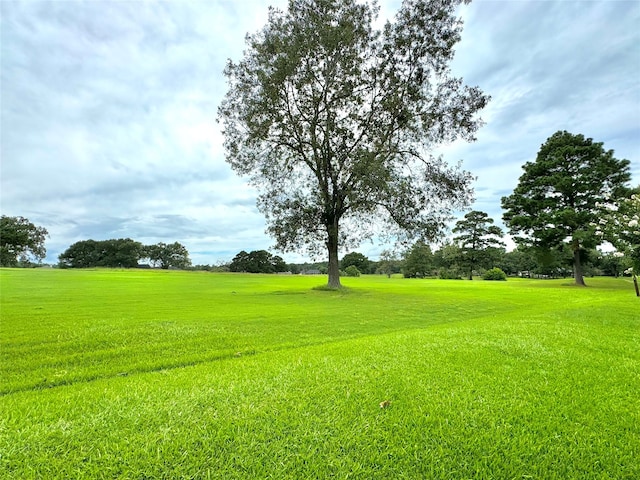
[108,110]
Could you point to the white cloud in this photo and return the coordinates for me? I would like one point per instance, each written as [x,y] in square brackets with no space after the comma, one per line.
[108,109]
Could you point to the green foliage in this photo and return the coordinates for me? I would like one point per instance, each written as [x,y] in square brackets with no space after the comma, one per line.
[257,261]
[619,223]
[20,240]
[352,271]
[418,262]
[330,118]
[613,263]
[360,261]
[518,261]
[157,374]
[389,264]
[557,197]
[123,253]
[164,255]
[447,256]
[494,274]
[116,253]
[477,240]
[449,274]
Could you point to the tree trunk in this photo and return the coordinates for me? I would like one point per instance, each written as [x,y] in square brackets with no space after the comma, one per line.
[332,246]
[577,265]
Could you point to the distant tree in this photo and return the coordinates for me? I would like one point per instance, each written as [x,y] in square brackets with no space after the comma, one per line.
[613,264]
[518,261]
[121,253]
[278,263]
[202,268]
[389,263]
[240,262]
[445,261]
[257,261]
[20,241]
[555,201]
[260,262]
[360,261]
[115,253]
[165,255]
[555,262]
[418,261]
[447,256]
[294,268]
[82,254]
[331,120]
[478,240]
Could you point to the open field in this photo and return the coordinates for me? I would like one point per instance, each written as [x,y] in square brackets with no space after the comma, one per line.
[156,374]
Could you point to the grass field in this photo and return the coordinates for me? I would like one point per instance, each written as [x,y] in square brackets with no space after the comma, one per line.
[162,375]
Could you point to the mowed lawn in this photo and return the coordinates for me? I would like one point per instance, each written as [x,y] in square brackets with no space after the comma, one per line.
[165,374]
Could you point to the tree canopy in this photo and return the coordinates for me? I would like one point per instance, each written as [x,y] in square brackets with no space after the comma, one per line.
[20,240]
[257,261]
[358,260]
[555,203]
[114,253]
[333,120]
[123,253]
[165,255]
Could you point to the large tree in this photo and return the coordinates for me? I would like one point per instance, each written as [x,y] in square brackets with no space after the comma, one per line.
[332,120]
[20,240]
[479,240]
[556,200]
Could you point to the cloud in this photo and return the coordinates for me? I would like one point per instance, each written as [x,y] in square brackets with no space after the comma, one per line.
[109,109]
[548,66]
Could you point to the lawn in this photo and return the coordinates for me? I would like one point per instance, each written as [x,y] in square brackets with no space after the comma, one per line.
[165,374]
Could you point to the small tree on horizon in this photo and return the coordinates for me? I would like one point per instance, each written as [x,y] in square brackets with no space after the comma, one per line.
[389,263]
[166,255]
[333,120]
[478,237]
[257,261]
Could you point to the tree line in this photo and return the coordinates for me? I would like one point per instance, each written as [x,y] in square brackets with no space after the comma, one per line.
[124,253]
[334,122]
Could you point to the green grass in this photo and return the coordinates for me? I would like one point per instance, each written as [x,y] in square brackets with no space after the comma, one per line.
[128,374]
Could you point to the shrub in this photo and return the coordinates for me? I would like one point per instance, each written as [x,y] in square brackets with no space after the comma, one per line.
[494,274]
[352,271]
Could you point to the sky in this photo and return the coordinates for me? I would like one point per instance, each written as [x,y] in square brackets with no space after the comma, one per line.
[108,110]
